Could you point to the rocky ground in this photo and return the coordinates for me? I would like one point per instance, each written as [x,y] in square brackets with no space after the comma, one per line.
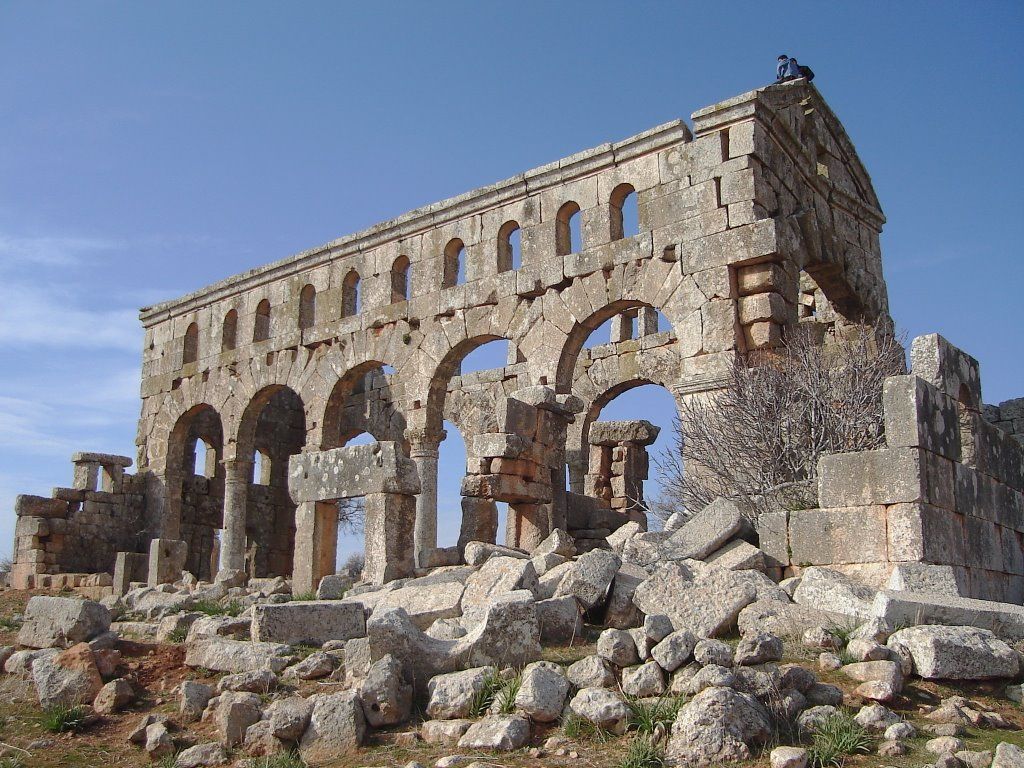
[631,656]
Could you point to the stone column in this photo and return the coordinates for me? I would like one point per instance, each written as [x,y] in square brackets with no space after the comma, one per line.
[237,474]
[389,535]
[423,449]
[316,544]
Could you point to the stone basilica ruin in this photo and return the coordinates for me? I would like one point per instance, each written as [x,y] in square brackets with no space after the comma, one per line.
[761,218]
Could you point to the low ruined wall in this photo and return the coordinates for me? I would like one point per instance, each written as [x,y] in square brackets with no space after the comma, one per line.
[947,489]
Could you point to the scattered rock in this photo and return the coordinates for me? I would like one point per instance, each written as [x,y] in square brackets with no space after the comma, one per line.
[253,681]
[66,678]
[385,696]
[601,707]
[589,577]
[444,731]
[876,718]
[58,622]
[498,732]
[1008,756]
[336,727]
[711,676]
[833,592]
[675,649]
[705,532]
[201,756]
[788,757]
[114,696]
[617,646]
[314,667]
[591,672]
[234,712]
[758,648]
[559,619]
[157,741]
[192,700]
[718,725]
[713,652]
[542,692]
[288,717]
[558,542]
[222,655]
[311,622]
[944,745]
[955,653]
[643,681]
[451,695]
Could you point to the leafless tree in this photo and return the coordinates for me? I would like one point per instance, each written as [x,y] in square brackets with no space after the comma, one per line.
[759,439]
[351,515]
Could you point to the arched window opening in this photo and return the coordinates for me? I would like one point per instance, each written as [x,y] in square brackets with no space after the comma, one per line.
[204,458]
[633,323]
[190,353]
[509,246]
[400,280]
[261,329]
[307,307]
[567,229]
[454,271]
[350,294]
[623,214]
[229,332]
[261,468]
[487,357]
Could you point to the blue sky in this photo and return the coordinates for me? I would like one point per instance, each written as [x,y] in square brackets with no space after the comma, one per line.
[147,149]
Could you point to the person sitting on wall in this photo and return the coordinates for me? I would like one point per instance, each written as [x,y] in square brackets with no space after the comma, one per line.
[787,69]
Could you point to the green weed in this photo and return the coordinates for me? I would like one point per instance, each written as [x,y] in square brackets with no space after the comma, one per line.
[838,737]
[63,719]
[643,753]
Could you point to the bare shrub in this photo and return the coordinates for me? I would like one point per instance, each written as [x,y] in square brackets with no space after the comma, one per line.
[354,565]
[759,439]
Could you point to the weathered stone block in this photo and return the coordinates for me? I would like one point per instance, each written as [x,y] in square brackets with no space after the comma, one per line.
[917,415]
[835,536]
[166,561]
[349,472]
[884,476]
[307,622]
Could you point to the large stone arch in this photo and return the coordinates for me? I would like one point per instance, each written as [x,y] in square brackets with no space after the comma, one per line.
[361,401]
[195,499]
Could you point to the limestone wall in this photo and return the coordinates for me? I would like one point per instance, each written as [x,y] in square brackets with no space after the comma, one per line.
[947,489]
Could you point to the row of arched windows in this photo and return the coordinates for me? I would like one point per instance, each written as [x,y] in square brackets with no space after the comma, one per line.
[623,222]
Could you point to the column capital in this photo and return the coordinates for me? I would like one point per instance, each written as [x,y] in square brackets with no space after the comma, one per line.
[424,442]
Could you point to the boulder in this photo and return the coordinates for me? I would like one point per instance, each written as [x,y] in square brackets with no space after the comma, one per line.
[336,728]
[955,653]
[260,740]
[1008,756]
[157,741]
[426,601]
[59,622]
[718,725]
[542,691]
[252,681]
[314,667]
[201,756]
[834,593]
[711,676]
[559,619]
[906,608]
[601,707]
[876,718]
[589,577]
[643,681]
[222,655]
[618,538]
[703,599]
[558,542]
[289,717]
[444,731]
[333,586]
[705,532]
[591,672]
[788,757]
[113,697]
[674,650]
[617,646]
[757,648]
[886,672]
[385,696]
[621,612]
[192,700]
[235,711]
[738,556]
[311,622]
[452,694]
[787,620]
[713,652]
[549,582]
[66,678]
[478,552]
[496,578]
[508,635]
[497,732]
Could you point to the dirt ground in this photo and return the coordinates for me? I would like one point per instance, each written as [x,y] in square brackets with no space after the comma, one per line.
[24,743]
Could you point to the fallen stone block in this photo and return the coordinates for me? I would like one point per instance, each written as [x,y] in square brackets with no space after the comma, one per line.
[425,602]
[955,653]
[835,593]
[718,725]
[336,728]
[787,620]
[385,696]
[589,577]
[52,622]
[542,692]
[222,655]
[66,678]
[452,694]
[738,556]
[621,612]
[903,608]
[601,707]
[705,532]
[497,577]
[560,620]
[501,733]
[478,552]
[307,622]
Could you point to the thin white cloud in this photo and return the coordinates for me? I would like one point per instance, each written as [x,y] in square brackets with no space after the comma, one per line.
[40,315]
[50,251]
